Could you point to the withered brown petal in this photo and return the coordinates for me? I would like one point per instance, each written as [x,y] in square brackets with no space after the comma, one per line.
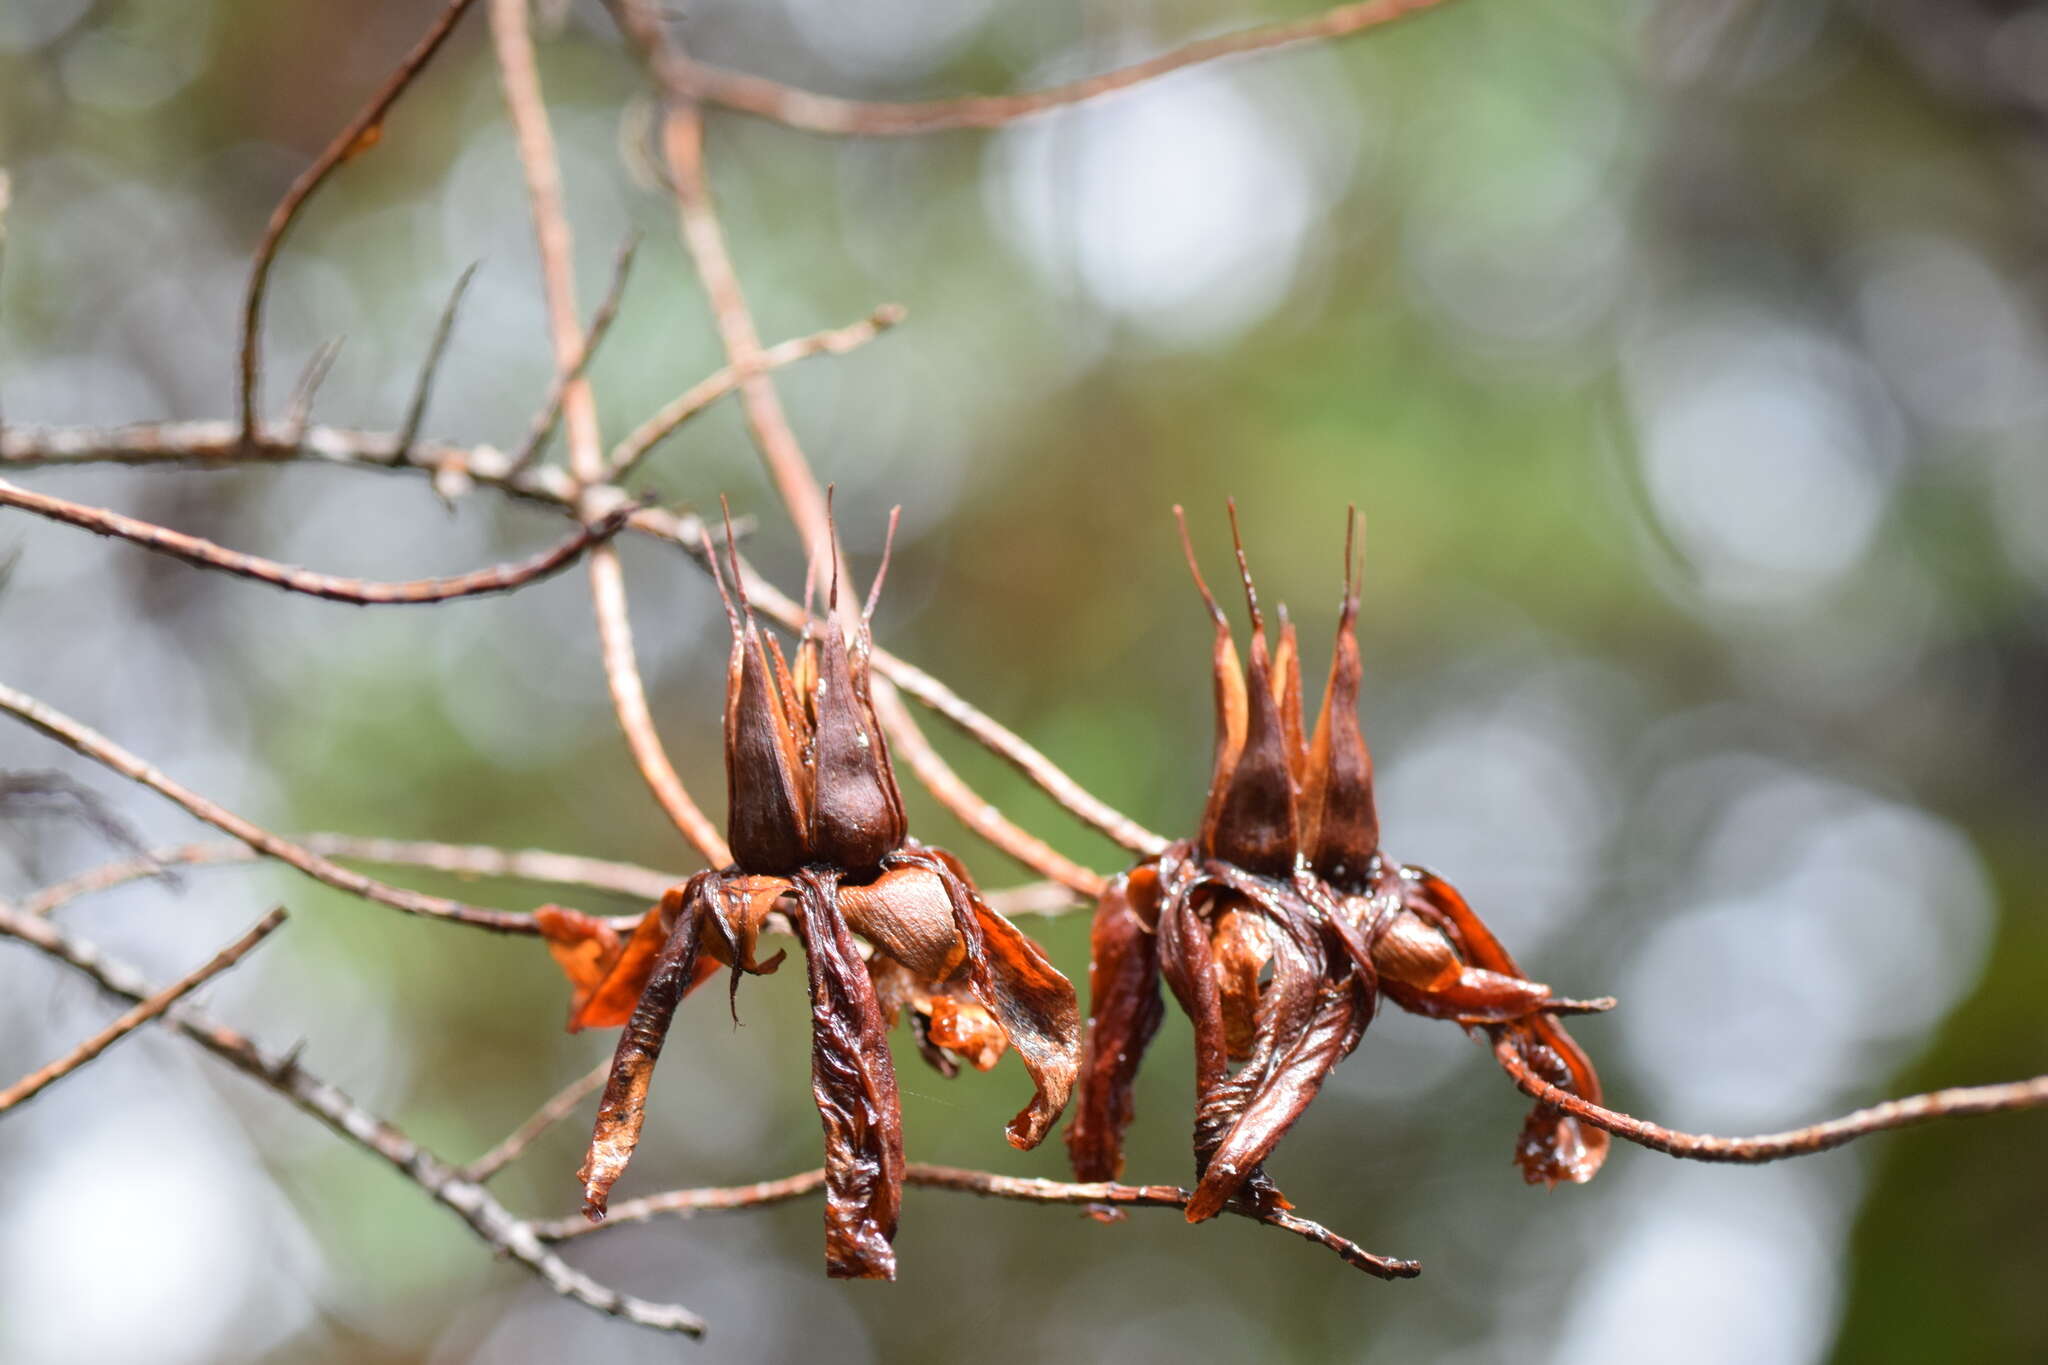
[1241,949]
[624,1107]
[1184,962]
[583,946]
[1286,1010]
[907,913]
[1554,1146]
[857,813]
[1287,1087]
[1014,981]
[965,1027]
[854,1084]
[1124,1011]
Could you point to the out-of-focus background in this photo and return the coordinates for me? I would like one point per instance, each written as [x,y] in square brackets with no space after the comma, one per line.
[1688,359]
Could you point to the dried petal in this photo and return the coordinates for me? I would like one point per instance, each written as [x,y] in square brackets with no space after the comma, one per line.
[624,1107]
[1013,980]
[1124,1011]
[967,1028]
[1331,1032]
[606,976]
[907,913]
[583,946]
[1554,1146]
[854,1085]
[1240,949]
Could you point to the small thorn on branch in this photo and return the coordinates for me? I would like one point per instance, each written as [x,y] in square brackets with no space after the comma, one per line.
[550,414]
[423,389]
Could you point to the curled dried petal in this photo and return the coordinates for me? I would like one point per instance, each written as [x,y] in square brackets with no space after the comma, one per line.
[1335,1024]
[1242,949]
[967,1028]
[907,913]
[854,1084]
[1013,980]
[1554,1146]
[1124,1011]
[624,1107]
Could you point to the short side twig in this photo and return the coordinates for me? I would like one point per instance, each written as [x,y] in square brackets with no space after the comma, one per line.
[90,743]
[489,1219]
[423,389]
[687,1203]
[1958,1102]
[795,108]
[560,1106]
[714,386]
[354,591]
[359,136]
[29,1086]
[463,860]
[550,413]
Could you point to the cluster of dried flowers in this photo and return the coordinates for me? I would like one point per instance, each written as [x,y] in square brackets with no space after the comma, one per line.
[1277,927]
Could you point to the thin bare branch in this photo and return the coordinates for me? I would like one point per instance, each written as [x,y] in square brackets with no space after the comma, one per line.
[687,1203]
[359,136]
[97,747]
[1020,754]
[29,1086]
[629,702]
[462,860]
[423,389]
[354,591]
[1035,898]
[210,444]
[1959,1102]
[968,806]
[521,80]
[683,147]
[701,395]
[489,1219]
[547,1116]
[550,412]
[796,108]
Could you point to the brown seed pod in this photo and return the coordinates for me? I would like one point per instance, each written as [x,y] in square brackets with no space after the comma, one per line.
[887,926]
[1279,925]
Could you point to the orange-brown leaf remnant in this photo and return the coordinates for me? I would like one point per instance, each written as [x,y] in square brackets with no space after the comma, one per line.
[888,927]
[1279,926]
